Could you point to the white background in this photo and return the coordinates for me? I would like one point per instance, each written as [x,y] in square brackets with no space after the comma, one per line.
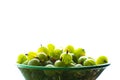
[91,24]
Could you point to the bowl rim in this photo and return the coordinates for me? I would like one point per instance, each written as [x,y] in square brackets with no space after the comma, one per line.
[62,68]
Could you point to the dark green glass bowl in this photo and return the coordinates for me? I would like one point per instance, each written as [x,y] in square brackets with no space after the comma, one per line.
[61,73]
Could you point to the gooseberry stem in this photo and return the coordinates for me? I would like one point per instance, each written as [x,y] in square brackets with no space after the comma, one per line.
[67,52]
[26,54]
[41,45]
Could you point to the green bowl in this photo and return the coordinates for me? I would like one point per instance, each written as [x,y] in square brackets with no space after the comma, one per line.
[61,73]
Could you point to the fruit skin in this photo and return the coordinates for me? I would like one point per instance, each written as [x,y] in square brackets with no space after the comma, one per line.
[59,63]
[89,62]
[51,46]
[55,55]
[72,64]
[48,62]
[21,58]
[74,58]
[34,62]
[79,52]
[102,60]
[42,57]
[78,65]
[25,62]
[43,49]
[51,49]
[82,59]
[31,55]
[66,58]
[69,48]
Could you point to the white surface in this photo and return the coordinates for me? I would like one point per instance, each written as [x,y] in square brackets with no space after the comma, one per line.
[93,25]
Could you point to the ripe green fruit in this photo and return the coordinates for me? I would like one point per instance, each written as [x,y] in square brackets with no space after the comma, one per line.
[21,58]
[69,48]
[42,56]
[89,62]
[66,58]
[57,53]
[50,66]
[31,55]
[74,58]
[78,65]
[25,62]
[49,56]
[48,62]
[51,53]
[72,64]
[82,59]
[79,52]
[43,49]
[34,62]
[51,46]
[59,63]
[102,60]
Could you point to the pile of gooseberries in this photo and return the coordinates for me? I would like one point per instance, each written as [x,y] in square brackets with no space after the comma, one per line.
[69,56]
